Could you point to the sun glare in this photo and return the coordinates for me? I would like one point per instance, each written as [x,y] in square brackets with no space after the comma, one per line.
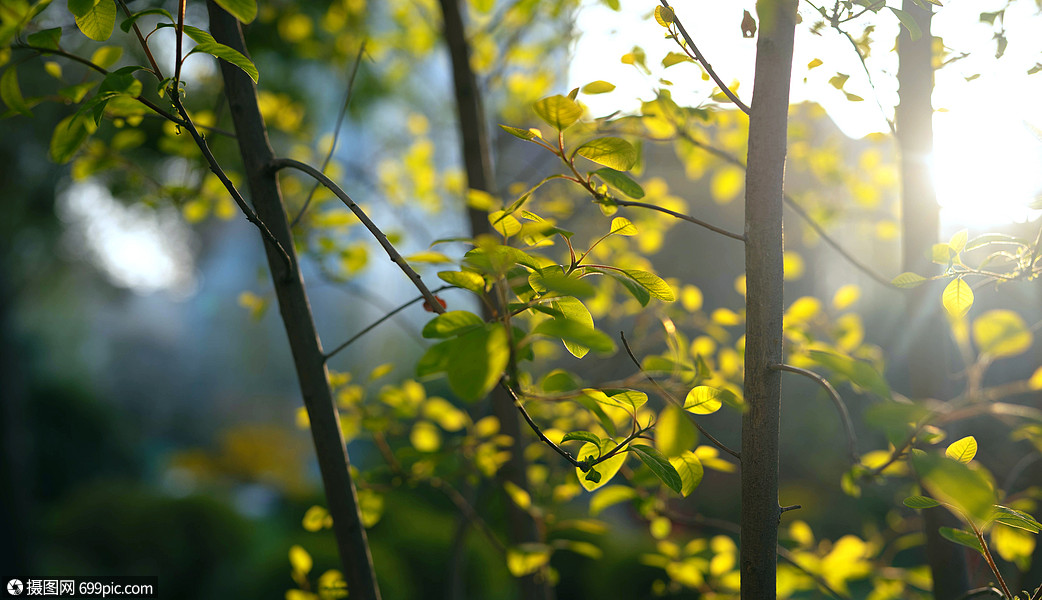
[985,175]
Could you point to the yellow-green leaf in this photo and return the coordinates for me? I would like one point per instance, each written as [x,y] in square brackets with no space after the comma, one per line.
[527,559]
[664,16]
[205,43]
[476,361]
[908,280]
[560,112]
[243,10]
[674,432]
[11,92]
[69,135]
[621,182]
[612,152]
[610,495]
[654,284]
[690,470]
[957,298]
[300,560]
[96,19]
[622,226]
[962,450]
[598,87]
[467,280]
[909,23]
[606,469]
[1001,332]
[704,400]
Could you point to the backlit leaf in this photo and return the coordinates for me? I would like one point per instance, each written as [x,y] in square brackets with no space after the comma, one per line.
[960,536]
[527,558]
[577,333]
[243,10]
[598,87]
[610,495]
[659,466]
[908,22]
[467,280]
[621,182]
[655,285]
[558,111]
[1001,333]
[612,152]
[97,20]
[908,280]
[476,361]
[69,135]
[11,92]
[690,470]
[607,469]
[205,43]
[704,400]
[674,432]
[574,310]
[962,450]
[622,226]
[451,324]
[525,134]
[920,502]
[957,298]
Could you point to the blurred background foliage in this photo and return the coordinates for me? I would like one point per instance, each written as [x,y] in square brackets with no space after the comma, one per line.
[151,420]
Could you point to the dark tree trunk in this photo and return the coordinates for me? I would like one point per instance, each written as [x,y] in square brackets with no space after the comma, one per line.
[763,269]
[521,527]
[927,329]
[295,310]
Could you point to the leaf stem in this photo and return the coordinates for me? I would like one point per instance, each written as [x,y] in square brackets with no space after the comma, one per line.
[844,414]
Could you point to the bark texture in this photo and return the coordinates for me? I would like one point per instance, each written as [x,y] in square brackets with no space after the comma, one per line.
[927,329]
[477,159]
[295,310]
[768,121]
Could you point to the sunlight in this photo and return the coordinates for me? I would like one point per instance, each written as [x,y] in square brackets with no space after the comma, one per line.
[137,247]
[985,175]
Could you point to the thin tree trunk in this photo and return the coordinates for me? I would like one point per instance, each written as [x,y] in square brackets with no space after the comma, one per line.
[295,310]
[927,329]
[521,527]
[768,122]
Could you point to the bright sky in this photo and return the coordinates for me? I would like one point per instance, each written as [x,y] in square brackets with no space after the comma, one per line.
[988,143]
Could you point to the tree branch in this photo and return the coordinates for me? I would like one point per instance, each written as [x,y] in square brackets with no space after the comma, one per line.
[336,131]
[680,216]
[671,398]
[283,163]
[841,407]
[705,63]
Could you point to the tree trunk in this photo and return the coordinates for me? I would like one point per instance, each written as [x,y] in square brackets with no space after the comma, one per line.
[295,310]
[521,527]
[768,122]
[927,329]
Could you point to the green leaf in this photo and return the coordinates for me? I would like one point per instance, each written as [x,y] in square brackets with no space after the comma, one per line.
[655,285]
[956,484]
[525,134]
[243,10]
[659,466]
[605,470]
[621,182]
[962,537]
[554,280]
[129,22]
[962,450]
[908,280]
[574,310]
[205,43]
[674,432]
[97,21]
[1016,518]
[451,324]
[477,360]
[690,469]
[48,38]
[584,436]
[11,92]
[558,111]
[527,558]
[598,87]
[920,502]
[629,400]
[609,496]
[577,333]
[467,280]
[909,23]
[612,152]
[1001,333]
[957,298]
[674,58]
[704,400]
[68,136]
[106,56]
[859,372]
[434,360]
[622,226]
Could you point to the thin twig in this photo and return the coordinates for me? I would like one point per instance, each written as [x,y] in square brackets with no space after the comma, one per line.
[462,505]
[246,209]
[702,59]
[377,322]
[336,132]
[141,40]
[730,158]
[539,432]
[178,57]
[288,163]
[841,407]
[680,216]
[991,561]
[668,396]
[980,592]
[871,83]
